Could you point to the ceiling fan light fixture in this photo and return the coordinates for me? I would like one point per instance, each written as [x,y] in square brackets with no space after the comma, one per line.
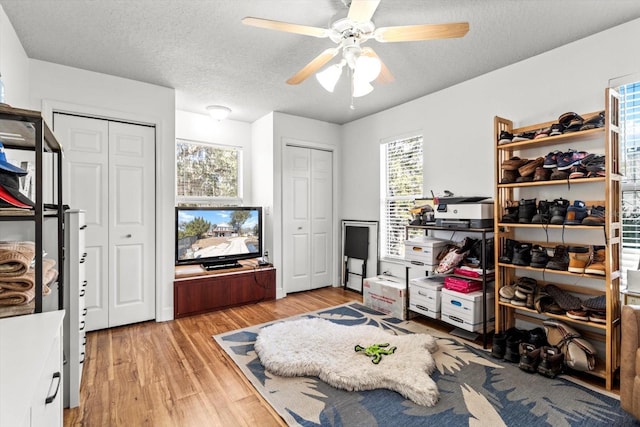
[368,68]
[328,78]
[218,112]
[361,87]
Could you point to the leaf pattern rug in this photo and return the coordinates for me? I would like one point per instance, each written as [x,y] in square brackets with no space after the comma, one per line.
[475,389]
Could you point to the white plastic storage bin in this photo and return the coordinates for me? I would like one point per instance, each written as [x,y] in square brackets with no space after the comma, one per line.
[424,295]
[423,250]
[465,310]
[386,294]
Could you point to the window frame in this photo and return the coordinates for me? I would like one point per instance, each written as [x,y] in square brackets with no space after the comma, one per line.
[385,241]
[212,200]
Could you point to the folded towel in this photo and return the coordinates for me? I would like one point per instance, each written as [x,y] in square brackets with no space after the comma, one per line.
[26,281]
[11,297]
[16,257]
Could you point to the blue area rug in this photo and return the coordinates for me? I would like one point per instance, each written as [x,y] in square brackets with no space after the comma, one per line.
[475,389]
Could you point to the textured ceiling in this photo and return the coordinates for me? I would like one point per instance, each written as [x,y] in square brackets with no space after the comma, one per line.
[201,49]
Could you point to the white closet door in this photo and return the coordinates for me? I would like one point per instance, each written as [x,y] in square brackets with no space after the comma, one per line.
[109,172]
[85,186]
[308,219]
[132,223]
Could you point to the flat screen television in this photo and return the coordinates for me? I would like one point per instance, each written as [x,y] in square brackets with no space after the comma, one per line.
[218,237]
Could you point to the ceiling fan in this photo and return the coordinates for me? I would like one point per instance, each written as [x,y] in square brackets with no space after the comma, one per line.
[350,33]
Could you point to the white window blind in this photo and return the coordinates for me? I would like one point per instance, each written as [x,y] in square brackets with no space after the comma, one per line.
[401,183]
[630,147]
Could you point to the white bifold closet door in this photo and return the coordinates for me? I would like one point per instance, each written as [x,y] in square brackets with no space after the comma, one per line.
[109,171]
[307,218]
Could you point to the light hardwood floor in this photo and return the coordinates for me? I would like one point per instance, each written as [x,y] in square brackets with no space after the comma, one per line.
[174,374]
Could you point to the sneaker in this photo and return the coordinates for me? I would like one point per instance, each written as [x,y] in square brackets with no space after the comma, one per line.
[542,133]
[560,259]
[594,121]
[505,137]
[595,217]
[539,257]
[578,315]
[596,263]
[529,357]
[576,213]
[523,136]
[556,129]
[551,361]
[578,171]
[551,159]
[570,158]
[578,258]
[597,317]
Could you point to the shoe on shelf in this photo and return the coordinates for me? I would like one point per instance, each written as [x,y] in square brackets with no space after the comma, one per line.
[579,257]
[564,299]
[529,357]
[578,171]
[541,174]
[551,361]
[558,210]
[595,217]
[560,259]
[526,210]
[596,263]
[578,315]
[551,159]
[595,166]
[507,251]
[556,129]
[513,163]
[542,133]
[559,175]
[594,121]
[542,216]
[539,257]
[598,316]
[505,137]
[597,304]
[575,213]
[513,206]
[509,176]
[570,158]
[523,136]
[522,254]
[571,122]
[529,168]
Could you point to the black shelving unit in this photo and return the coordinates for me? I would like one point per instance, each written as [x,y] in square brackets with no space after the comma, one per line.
[484,232]
[22,129]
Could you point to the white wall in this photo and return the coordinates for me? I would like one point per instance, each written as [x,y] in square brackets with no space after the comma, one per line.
[60,88]
[14,65]
[262,176]
[311,133]
[458,121]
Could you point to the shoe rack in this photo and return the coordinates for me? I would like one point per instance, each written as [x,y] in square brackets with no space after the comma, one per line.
[605,189]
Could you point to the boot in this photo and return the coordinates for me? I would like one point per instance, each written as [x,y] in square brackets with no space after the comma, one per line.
[507,251]
[576,213]
[542,217]
[512,212]
[560,259]
[522,254]
[539,257]
[551,361]
[578,258]
[526,210]
[596,263]
[499,345]
[558,210]
[514,338]
[529,357]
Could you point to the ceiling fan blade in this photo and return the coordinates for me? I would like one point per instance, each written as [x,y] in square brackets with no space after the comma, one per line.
[362,10]
[385,75]
[286,27]
[409,33]
[313,66]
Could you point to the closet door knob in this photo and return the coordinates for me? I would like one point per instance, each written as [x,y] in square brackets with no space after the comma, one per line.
[128,236]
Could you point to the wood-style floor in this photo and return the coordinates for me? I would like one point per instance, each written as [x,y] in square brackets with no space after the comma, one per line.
[174,374]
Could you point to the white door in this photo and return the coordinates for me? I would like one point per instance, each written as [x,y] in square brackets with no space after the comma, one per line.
[308,218]
[109,172]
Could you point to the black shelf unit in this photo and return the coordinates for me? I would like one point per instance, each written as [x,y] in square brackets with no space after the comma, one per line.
[483,232]
[22,129]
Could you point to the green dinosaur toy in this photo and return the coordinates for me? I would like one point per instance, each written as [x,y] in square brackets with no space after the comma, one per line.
[376,351]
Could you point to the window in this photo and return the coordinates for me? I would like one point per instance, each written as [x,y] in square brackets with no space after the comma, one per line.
[401,184]
[208,172]
[630,168]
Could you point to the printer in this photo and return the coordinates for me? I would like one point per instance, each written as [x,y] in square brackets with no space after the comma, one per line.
[464,212]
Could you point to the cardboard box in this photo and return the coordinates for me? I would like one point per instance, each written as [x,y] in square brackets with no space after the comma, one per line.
[465,310]
[386,294]
[424,295]
[423,250]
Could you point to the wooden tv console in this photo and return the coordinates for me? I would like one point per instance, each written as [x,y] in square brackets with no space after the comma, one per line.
[196,290]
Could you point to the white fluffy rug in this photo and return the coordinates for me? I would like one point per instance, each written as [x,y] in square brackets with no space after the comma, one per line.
[324,349]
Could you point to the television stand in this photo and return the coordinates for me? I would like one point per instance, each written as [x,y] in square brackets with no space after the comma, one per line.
[221,266]
[196,290]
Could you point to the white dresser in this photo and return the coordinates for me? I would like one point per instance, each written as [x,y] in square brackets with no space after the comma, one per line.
[74,294]
[30,370]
